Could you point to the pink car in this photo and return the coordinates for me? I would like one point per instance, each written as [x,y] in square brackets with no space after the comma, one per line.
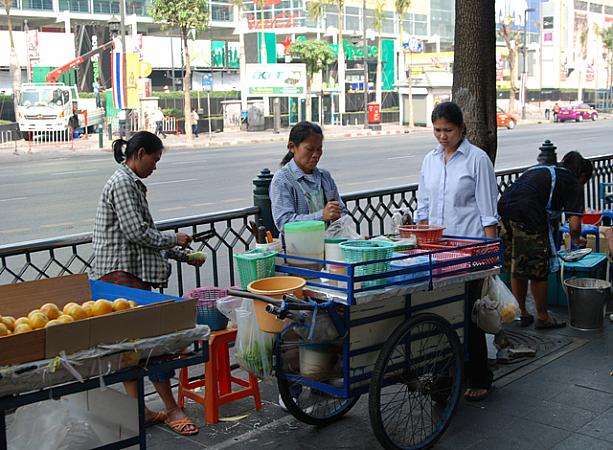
[577,112]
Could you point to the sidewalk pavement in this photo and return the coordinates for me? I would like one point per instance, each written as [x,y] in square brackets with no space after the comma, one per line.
[90,144]
[561,400]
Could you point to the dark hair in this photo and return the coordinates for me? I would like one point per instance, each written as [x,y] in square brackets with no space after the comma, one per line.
[299,133]
[449,111]
[142,139]
[577,164]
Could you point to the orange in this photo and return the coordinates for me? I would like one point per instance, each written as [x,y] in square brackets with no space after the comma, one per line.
[66,306]
[76,312]
[65,318]
[50,310]
[102,307]
[133,304]
[22,321]
[38,320]
[89,303]
[88,309]
[22,328]
[34,311]
[54,322]
[9,322]
[4,331]
[120,304]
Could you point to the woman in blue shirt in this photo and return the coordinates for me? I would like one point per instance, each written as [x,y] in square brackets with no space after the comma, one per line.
[457,190]
[300,190]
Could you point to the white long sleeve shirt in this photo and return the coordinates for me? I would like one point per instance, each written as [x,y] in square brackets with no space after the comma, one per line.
[460,195]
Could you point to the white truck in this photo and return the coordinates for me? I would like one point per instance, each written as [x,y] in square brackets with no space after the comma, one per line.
[50,107]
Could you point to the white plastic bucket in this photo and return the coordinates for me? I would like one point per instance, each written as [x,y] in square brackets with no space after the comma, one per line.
[305,239]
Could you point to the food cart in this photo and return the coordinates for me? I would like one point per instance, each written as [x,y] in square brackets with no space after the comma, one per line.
[398,337]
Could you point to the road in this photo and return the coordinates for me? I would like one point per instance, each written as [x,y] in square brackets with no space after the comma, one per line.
[49,197]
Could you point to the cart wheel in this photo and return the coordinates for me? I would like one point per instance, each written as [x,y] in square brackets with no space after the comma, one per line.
[416,383]
[307,404]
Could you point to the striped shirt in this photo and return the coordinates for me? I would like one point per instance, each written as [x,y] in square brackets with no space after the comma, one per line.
[288,201]
[125,237]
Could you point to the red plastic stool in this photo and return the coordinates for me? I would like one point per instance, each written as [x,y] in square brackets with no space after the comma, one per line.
[217,379]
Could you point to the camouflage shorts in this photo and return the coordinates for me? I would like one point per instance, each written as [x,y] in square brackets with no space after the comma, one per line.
[526,253]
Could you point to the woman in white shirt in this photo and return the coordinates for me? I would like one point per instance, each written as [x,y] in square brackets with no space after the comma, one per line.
[457,190]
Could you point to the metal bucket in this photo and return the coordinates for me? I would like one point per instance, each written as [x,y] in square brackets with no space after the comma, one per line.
[587,299]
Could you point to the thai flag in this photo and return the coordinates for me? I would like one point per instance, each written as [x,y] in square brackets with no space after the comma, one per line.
[117,70]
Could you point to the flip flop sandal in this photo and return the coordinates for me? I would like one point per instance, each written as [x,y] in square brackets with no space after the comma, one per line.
[478,398]
[181,426]
[549,324]
[157,418]
[526,321]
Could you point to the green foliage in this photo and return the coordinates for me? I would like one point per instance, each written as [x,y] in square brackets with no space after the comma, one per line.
[180,94]
[316,54]
[182,14]
[606,34]
[171,112]
[402,6]
[315,7]
[379,16]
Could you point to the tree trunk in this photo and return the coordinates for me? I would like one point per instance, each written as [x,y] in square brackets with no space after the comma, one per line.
[242,59]
[14,67]
[401,65]
[187,84]
[474,71]
[379,86]
[263,55]
[341,65]
[513,71]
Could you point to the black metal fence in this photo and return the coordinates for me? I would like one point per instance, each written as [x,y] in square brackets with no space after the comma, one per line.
[371,211]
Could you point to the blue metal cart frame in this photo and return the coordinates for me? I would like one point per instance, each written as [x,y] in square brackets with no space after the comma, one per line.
[397,308]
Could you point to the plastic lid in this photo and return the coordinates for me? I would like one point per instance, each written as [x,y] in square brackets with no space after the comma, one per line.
[304,226]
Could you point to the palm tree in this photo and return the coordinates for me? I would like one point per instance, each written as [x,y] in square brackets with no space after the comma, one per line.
[401,7]
[14,67]
[583,39]
[315,10]
[474,71]
[378,19]
[606,34]
[264,57]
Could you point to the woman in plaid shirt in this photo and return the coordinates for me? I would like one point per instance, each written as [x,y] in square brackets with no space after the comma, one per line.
[129,250]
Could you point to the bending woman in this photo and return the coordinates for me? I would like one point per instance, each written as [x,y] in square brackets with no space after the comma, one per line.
[300,190]
[129,250]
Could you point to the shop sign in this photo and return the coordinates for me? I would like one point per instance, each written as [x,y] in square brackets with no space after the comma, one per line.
[276,80]
[281,20]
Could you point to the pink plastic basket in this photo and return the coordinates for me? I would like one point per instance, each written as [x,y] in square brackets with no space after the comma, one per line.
[441,257]
[422,233]
[206,306]
[471,251]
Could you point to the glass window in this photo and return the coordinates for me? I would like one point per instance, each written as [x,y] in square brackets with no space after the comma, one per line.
[595,8]
[331,16]
[352,19]
[38,4]
[106,6]
[442,19]
[74,5]
[608,10]
[221,12]
[580,5]
[388,22]
[407,24]
[137,7]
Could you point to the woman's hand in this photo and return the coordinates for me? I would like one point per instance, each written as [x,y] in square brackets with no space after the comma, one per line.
[332,211]
[183,240]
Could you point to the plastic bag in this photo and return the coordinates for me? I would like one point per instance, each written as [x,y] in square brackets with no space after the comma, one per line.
[49,425]
[254,347]
[228,306]
[344,227]
[507,304]
[319,331]
[496,306]
[486,316]
[401,217]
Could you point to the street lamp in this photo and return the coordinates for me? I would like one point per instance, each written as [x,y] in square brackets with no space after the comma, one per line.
[525,71]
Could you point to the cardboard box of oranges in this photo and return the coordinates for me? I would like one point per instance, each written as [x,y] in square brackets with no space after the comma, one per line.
[40,319]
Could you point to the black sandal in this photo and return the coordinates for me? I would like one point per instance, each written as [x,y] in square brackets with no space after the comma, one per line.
[478,398]
[526,321]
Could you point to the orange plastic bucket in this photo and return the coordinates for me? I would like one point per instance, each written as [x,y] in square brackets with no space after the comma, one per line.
[274,287]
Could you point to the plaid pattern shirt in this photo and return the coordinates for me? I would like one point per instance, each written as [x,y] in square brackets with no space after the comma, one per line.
[125,237]
[287,200]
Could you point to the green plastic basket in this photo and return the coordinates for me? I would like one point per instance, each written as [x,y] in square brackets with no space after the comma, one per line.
[361,251]
[255,264]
